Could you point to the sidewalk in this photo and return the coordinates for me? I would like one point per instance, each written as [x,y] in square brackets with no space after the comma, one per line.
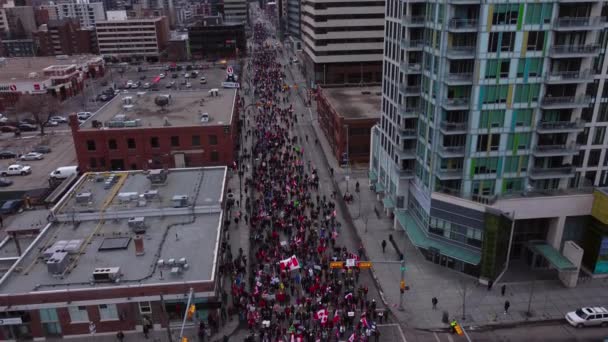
[550,299]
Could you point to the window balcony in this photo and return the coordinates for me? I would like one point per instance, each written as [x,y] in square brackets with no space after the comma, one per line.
[547,127]
[449,174]
[453,127]
[410,90]
[555,150]
[412,44]
[462,25]
[451,151]
[406,132]
[404,173]
[569,51]
[459,78]
[411,68]
[565,102]
[551,172]
[414,21]
[578,23]
[461,52]
[408,153]
[564,77]
[409,112]
[456,103]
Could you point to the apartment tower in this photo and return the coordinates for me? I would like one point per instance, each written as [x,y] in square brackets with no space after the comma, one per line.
[490,106]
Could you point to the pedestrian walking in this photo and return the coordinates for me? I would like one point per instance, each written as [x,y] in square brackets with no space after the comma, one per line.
[383,246]
[490,284]
[120,336]
[435,301]
[507,305]
[503,289]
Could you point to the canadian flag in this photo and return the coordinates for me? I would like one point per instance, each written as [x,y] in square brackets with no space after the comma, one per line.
[336,317]
[364,322]
[348,296]
[322,315]
[352,338]
[291,263]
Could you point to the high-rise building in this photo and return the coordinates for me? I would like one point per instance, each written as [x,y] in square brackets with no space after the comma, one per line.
[88,13]
[65,37]
[491,109]
[235,11]
[293,18]
[342,41]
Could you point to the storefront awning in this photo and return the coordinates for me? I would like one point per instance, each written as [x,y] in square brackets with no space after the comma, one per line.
[379,187]
[555,258]
[388,203]
[372,176]
[419,238]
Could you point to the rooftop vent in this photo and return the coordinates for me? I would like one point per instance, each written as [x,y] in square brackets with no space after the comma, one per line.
[84,198]
[204,117]
[105,274]
[179,201]
[124,197]
[158,176]
[137,224]
[110,181]
[110,244]
[58,262]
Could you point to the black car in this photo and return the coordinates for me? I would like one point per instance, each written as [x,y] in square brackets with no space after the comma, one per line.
[25,127]
[4,182]
[42,149]
[11,207]
[174,76]
[8,155]
[142,77]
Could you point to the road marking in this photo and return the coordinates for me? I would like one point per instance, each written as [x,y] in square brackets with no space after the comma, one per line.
[450,338]
[398,327]
[436,337]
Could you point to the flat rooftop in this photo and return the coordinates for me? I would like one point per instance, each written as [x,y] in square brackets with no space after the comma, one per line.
[103,209]
[185,109]
[21,68]
[355,102]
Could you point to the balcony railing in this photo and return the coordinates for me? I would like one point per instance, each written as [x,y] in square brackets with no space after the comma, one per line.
[551,172]
[449,173]
[406,153]
[409,112]
[414,20]
[565,50]
[549,150]
[568,76]
[460,77]
[453,126]
[457,102]
[451,150]
[461,51]
[566,101]
[561,125]
[577,22]
[414,67]
[407,131]
[411,90]
[412,44]
[462,24]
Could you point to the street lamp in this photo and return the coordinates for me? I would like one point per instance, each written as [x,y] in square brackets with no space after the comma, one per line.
[347,158]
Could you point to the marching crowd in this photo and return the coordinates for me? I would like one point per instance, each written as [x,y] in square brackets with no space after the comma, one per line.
[291,293]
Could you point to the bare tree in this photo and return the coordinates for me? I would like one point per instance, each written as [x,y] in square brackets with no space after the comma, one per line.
[41,107]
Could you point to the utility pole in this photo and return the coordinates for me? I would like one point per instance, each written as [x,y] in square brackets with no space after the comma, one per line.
[402,285]
[464,300]
[190,295]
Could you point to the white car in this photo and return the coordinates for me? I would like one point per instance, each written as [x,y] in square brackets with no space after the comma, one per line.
[32,156]
[58,119]
[16,169]
[188,85]
[203,80]
[3,118]
[162,76]
[589,316]
[51,123]
[84,115]
[146,85]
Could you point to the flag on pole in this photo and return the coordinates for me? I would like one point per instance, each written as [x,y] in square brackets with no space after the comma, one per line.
[322,315]
[291,263]
[336,317]
[352,338]
[348,296]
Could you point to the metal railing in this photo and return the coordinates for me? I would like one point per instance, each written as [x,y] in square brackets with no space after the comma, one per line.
[574,49]
[462,77]
[560,148]
[567,22]
[414,67]
[566,100]
[408,132]
[450,172]
[561,170]
[453,126]
[461,50]
[553,125]
[457,102]
[452,149]
[412,43]
[458,23]
[414,20]
[411,89]
[410,111]
[567,75]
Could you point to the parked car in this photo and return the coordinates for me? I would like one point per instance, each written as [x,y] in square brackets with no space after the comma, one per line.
[174,76]
[31,156]
[4,182]
[59,119]
[203,80]
[64,172]
[51,123]
[161,75]
[589,316]
[11,207]
[146,85]
[25,127]
[8,155]
[42,149]
[84,115]
[16,170]
[188,85]
[142,77]
[7,129]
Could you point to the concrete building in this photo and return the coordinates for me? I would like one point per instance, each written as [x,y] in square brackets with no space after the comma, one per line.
[88,274]
[235,11]
[132,132]
[178,49]
[140,38]
[496,114]
[293,18]
[65,37]
[212,38]
[18,21]
[87,13]
[342,41]
[59,76]
[18,47]
[346,116]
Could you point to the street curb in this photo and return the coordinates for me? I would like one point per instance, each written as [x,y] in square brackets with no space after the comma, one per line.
[497,326]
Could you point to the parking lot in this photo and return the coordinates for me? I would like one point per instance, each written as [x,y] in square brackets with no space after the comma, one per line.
[62,154]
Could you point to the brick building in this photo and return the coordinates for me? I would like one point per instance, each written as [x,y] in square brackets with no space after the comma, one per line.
[131,132]
[65,37]
[210,37]
[346,116]
[103,276]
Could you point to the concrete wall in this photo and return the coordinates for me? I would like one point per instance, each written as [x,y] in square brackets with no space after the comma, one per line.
[546,207]
[574,253]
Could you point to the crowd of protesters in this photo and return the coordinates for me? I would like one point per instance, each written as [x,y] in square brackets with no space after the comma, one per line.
[290,292]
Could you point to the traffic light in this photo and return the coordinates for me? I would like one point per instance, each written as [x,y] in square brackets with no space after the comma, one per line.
[402,286]
[191,311]
[456,328]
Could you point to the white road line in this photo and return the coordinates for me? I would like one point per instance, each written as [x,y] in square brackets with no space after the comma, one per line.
[436,337]
[450,338]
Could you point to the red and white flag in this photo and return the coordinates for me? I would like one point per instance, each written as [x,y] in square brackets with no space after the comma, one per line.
[322,315]
[336,317]
[352,338]
[348,296]
[291,263]
[364,321]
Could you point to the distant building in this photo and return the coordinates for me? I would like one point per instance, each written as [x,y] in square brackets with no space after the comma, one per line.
[346,116]
[211,38]
[88,274]
[65,37]
[293,18]
[178,49]
[18,48]
[87,13]
[58,76]
[235,11]
[132,132]
[140,38]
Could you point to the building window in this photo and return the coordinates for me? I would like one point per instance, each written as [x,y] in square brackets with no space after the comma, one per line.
[131,143]
[215,156]
[594,158]
[78,314]
[112,144]
[196,140]
[213,140]
[145,308]
[107,312]
[93,163]
[154,142]
[91,145]
[175,141]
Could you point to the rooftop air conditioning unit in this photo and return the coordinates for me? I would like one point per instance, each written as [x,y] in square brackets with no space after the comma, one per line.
[109,274]
[180,201]
[58,262]
[137,224]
